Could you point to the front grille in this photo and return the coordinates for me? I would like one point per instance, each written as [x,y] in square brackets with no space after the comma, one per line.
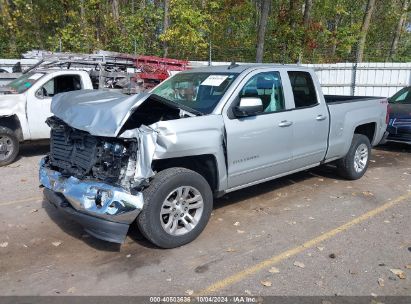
[73,151]
[77,153]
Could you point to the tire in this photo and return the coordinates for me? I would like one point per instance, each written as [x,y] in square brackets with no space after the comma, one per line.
[353,165]
[9,146]
[163,195]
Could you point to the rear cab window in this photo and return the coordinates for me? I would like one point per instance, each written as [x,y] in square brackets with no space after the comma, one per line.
[303,89]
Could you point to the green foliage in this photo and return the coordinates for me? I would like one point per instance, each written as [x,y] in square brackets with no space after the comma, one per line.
[234,32]
[231,26]
[139,33]
[192,24]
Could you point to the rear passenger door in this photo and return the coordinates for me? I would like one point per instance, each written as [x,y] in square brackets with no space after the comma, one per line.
[311,121]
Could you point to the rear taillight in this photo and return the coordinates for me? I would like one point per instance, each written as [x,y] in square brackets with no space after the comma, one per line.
[387,117]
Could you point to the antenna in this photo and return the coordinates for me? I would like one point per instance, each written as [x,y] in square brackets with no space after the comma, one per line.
[233,65]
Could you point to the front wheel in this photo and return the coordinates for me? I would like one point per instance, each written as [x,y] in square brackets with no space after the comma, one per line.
[177,207]
[9,146]
[355,163]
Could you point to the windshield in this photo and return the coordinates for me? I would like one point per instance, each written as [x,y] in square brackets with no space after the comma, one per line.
[198,91]
[25,81]
[402,96]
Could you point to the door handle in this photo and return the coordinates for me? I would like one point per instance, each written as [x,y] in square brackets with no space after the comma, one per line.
[285,123]
[321,117]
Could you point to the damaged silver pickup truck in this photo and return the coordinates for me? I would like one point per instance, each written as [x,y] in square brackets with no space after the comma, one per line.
[159,158]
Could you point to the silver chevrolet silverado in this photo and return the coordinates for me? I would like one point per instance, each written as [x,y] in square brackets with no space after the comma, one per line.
[159,158]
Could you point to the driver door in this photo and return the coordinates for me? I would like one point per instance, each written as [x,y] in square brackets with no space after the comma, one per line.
[39,102]
[259,147]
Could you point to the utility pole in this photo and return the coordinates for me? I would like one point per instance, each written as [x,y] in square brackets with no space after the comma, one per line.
[135,47]
[166,22]
[209,52]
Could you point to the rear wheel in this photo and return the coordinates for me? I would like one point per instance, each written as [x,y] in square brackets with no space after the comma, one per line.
[9,146]
[355,163]
[177,206]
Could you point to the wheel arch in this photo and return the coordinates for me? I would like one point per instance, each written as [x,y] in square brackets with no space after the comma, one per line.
[13,123]
[367,129]
[205,165]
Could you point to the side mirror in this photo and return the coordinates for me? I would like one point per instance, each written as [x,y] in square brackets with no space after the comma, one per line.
[40,93]
[249,106]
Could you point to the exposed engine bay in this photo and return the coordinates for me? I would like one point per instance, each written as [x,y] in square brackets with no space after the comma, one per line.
[149,112]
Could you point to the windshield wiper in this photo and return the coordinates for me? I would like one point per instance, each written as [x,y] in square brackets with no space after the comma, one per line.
[176,104]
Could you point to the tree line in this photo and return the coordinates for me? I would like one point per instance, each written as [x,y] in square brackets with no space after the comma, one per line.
[309,31]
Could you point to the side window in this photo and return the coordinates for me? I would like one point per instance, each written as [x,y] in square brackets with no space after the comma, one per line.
[48,88]
[266,86]
[60,84]
[303,89]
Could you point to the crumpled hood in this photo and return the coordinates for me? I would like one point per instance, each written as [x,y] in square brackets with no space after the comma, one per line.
[101,113]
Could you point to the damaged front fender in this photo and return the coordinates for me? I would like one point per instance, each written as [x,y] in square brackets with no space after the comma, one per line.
[191,137]
[139,168]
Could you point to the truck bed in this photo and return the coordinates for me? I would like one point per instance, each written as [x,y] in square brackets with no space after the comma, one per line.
[348,111]
[333,99]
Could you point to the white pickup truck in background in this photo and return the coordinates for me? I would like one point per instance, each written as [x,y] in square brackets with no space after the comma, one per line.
[25,106]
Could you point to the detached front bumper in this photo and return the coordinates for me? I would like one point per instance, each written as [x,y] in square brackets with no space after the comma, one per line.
[103,210]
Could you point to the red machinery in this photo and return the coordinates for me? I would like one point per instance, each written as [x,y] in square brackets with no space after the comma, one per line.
[154,70]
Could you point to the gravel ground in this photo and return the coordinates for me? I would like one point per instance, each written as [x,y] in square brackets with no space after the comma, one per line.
[251,246]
